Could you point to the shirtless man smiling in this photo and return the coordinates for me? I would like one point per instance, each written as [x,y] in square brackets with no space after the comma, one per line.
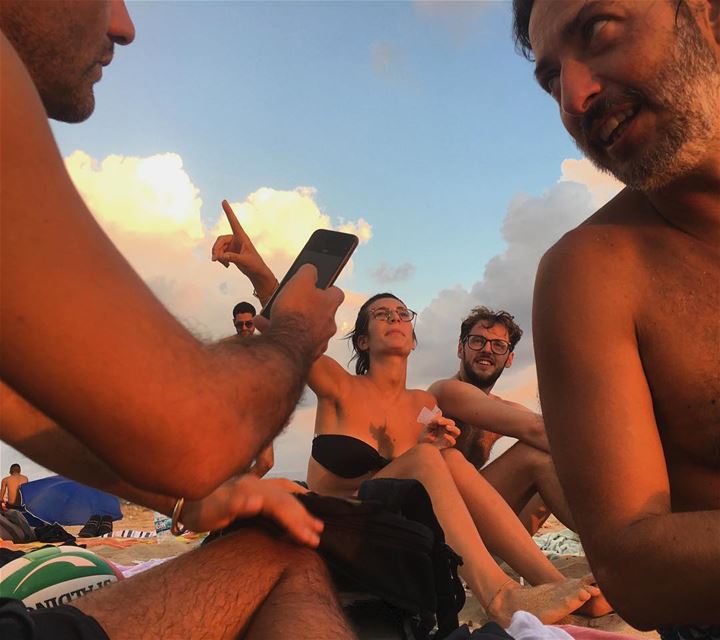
[626,326]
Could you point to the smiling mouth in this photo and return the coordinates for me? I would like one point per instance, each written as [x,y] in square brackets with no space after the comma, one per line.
[484,361]
[615,125]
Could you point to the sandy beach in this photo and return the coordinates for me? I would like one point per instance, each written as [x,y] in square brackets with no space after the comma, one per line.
[130,552]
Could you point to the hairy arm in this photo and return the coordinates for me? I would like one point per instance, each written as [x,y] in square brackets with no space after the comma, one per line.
[111,364]
[39,438]
[470,405]
[655,567]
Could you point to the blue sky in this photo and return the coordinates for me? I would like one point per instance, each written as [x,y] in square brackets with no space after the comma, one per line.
[415,124]
[424,122]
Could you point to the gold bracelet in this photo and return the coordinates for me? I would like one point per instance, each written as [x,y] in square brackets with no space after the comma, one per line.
[176,528]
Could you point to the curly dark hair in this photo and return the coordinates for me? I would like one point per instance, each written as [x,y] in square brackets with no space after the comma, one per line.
[490,318]
[362,358]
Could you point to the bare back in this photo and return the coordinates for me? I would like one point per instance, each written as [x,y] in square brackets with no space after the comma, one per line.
[10,485]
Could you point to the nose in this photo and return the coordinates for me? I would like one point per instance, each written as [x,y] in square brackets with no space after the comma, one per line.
[121,29]
[578,88]
[487,347]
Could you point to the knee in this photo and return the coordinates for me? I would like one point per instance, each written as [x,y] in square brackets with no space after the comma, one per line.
[427,454]
[452,456]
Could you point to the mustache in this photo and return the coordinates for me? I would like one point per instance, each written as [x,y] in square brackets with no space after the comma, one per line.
[602,105]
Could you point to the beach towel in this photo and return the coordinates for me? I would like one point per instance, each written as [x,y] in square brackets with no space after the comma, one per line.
[559,543]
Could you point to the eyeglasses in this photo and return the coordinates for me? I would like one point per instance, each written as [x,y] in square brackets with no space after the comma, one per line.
[248,324]
[477,343]
[383,313]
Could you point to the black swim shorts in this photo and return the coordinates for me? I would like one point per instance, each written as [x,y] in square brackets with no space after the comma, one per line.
[57,623]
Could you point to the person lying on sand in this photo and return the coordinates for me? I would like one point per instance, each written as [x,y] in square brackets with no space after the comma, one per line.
[369,426]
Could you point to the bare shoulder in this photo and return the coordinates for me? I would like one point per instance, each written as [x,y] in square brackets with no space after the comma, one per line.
[422,397]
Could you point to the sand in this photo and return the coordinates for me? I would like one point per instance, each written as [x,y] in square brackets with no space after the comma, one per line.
[139,518]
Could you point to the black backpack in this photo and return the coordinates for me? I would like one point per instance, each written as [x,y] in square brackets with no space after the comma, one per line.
[388,543]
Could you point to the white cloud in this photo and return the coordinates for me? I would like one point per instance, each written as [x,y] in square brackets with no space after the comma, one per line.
[602,186]
[152,211]
[386,273]
[460,18]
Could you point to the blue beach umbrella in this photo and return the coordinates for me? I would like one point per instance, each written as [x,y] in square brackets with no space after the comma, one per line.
[57,499]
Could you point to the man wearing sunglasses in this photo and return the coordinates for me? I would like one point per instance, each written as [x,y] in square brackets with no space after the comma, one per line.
[244,319]
[524,475]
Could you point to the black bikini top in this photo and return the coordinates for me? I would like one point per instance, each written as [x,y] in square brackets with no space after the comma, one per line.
[346,456]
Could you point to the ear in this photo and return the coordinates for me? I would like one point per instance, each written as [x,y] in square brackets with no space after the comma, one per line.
[509,361]
[460,350]
[363,343]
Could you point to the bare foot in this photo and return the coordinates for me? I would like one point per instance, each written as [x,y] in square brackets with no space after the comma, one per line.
[548,602]
[597,605]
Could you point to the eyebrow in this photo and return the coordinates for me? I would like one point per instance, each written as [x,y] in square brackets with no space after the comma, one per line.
[567,33]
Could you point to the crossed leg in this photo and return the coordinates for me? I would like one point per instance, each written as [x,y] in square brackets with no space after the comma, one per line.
[244,585]
[520,475]
[501,597]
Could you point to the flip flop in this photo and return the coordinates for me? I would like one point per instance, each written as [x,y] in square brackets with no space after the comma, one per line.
[90,529]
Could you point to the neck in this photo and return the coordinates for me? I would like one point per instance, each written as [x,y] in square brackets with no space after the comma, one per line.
[692,203]
[389,373]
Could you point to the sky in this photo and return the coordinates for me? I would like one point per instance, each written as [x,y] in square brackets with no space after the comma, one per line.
[415,125]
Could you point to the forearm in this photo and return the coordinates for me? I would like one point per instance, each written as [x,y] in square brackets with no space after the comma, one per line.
[264,283]
[40,439]
[643,566]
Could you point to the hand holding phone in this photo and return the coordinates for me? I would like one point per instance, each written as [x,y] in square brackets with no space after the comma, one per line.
[328,251]
[305,311]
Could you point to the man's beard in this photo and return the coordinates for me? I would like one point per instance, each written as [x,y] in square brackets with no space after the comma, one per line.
[481,382]
[687,88]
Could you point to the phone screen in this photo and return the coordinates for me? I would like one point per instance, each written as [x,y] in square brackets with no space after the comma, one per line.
[328,251]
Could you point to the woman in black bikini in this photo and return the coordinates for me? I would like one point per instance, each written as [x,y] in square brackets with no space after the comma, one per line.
[368,426]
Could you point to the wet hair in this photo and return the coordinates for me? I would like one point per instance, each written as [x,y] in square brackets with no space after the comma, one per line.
[15,468]
[521,25]
[362,322]
[490,318]
[243,307]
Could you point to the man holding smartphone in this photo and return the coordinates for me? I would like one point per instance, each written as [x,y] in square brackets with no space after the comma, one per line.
[115,393]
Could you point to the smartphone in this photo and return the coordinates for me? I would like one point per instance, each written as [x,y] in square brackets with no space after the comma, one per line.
[328,251]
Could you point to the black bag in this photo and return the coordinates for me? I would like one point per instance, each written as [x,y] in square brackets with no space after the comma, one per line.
[389,544]
[410,500]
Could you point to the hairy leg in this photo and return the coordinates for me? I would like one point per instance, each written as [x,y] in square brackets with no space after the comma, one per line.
[221,591]
[520,473]
[497,523]
[499,595]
